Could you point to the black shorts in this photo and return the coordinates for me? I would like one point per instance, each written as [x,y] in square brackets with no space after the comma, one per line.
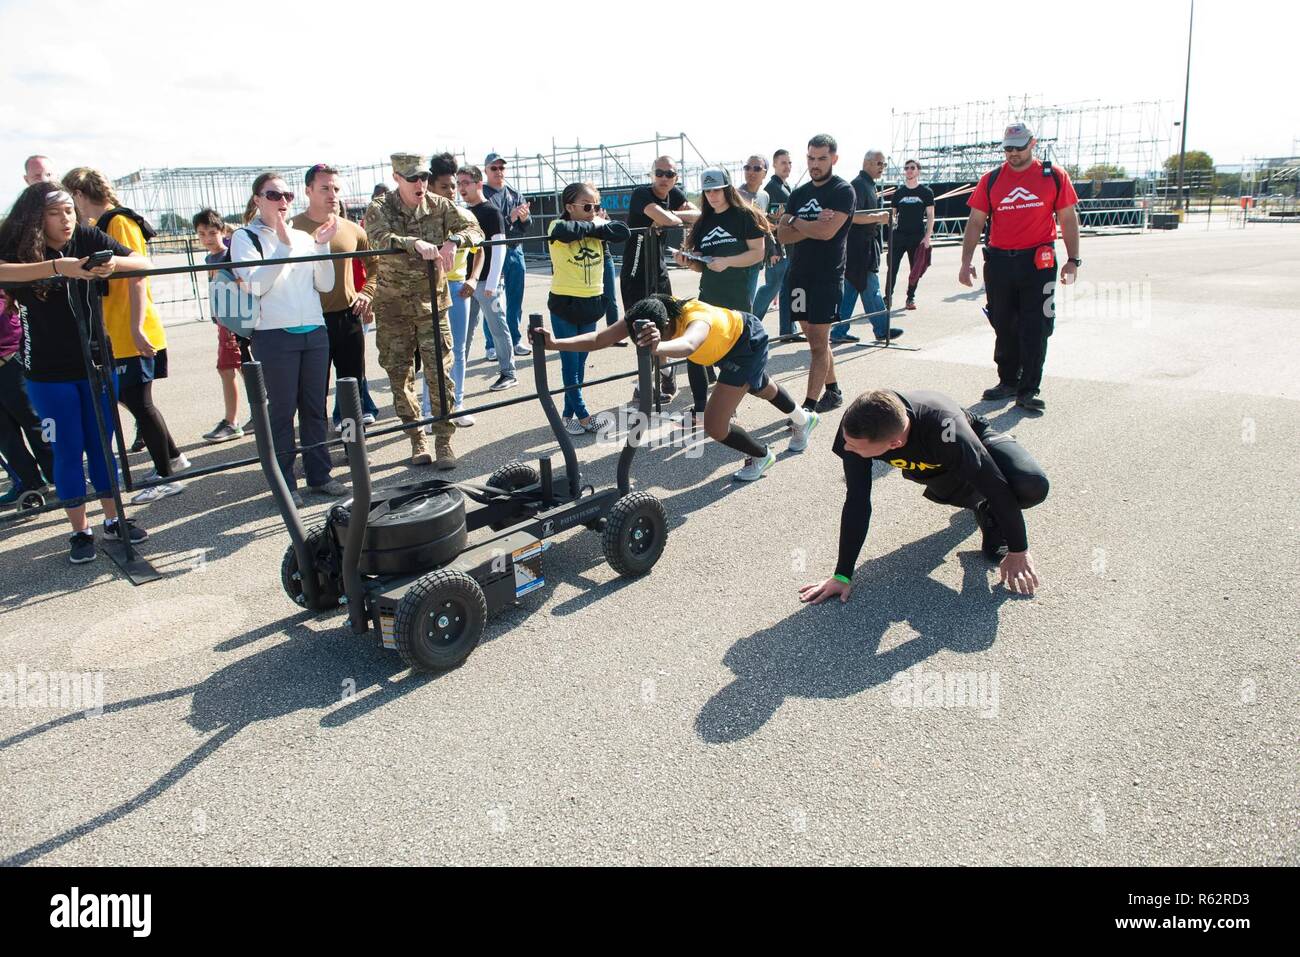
[817,302]
[746,362]
[138,370]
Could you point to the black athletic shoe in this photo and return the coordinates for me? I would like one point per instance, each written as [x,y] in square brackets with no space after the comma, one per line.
[82,548]
[994,544]
[847,337]
[829,400]
[1003,390]
[136,533]
[668,385]
[892,334]
[1031,403]
[798,338]
[136,446]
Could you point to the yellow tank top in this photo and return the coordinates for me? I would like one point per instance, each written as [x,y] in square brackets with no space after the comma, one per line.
[578,268]
[460,263]
[117,304]
[725,329]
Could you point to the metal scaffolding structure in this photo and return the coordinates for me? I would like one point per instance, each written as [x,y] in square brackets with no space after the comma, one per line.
[963,141]
[168,198]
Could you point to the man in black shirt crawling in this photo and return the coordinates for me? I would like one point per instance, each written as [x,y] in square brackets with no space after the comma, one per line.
[959,458]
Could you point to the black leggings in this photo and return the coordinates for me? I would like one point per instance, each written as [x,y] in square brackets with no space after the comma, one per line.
[897,246]
[138,400]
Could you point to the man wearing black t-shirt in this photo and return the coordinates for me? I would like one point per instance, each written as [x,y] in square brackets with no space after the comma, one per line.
[662,203]
[815,230]
[959,459]
[914,204]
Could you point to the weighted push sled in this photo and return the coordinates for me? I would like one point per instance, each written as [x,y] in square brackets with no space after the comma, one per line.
[401,558]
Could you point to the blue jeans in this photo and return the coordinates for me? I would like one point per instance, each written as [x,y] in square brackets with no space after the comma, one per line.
[871,302]
[773,279]
[573,365]
[611,290]
[512,278]
[462,331]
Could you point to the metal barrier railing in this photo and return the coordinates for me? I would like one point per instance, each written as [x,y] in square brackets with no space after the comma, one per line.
[122,480]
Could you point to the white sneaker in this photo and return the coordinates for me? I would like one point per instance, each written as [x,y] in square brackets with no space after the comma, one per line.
[492,355]
[522,350]
[157,492]
[799,441]
[755,467]
[573,426]
[367,419]
[462,421]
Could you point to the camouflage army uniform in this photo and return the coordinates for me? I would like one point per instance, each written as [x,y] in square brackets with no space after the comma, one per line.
[402,306]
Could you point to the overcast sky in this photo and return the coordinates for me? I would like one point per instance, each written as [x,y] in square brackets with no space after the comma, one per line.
[136,84]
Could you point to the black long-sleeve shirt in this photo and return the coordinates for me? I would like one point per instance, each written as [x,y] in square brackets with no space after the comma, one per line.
[943,442]
[571,230]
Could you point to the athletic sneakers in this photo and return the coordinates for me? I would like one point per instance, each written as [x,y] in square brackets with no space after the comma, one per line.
[891,334]
[573,426]
[845,337]
[462,421]
[81,548]
[179,464]
[156,492]
[1003,390]
[368,418]
[799,441]
[224,432]
[295,498]
[754,468]
[910,304]
[504,382]
[994,544]
[248,426]
[521,349]
[1031,403]
[134,531]
[831,399]
[136,446]
[492,355]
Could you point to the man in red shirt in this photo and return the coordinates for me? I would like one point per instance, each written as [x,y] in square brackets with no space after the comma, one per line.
[1022,201]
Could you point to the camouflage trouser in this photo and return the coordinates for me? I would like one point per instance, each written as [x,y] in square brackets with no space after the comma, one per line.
[397,334]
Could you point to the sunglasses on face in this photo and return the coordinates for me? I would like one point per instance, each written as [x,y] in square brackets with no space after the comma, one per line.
[587,207]
[417,178]
[1015,149]
[497,169]
[755,169]
[275,196]
[666,173]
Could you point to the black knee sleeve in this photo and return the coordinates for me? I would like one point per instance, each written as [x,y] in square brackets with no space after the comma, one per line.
[782,400]
[740,440]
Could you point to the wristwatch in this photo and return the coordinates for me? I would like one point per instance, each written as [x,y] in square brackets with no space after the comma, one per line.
[1076,260]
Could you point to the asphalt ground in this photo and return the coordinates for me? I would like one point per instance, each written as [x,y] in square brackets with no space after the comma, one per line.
[1141,709]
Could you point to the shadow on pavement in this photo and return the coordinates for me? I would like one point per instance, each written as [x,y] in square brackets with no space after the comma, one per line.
[831,651]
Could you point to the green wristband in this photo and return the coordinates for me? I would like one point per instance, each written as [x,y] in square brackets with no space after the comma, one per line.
[841,578]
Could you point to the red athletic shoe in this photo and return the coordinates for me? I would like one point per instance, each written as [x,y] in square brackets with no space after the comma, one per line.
[911,304]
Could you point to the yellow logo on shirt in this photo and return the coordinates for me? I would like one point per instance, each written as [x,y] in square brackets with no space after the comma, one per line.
[907,466]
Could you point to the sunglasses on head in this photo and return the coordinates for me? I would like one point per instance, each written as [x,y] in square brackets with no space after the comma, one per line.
[666,173]
[417,178]
[587,207]
[755,169]
[274,195]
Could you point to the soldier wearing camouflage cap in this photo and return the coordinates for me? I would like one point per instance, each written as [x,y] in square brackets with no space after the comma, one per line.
[430,228]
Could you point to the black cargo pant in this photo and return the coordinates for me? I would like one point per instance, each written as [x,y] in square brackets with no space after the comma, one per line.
[1022,313]
[20,428]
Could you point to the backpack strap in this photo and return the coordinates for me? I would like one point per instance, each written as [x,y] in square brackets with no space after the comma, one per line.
[988,196]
